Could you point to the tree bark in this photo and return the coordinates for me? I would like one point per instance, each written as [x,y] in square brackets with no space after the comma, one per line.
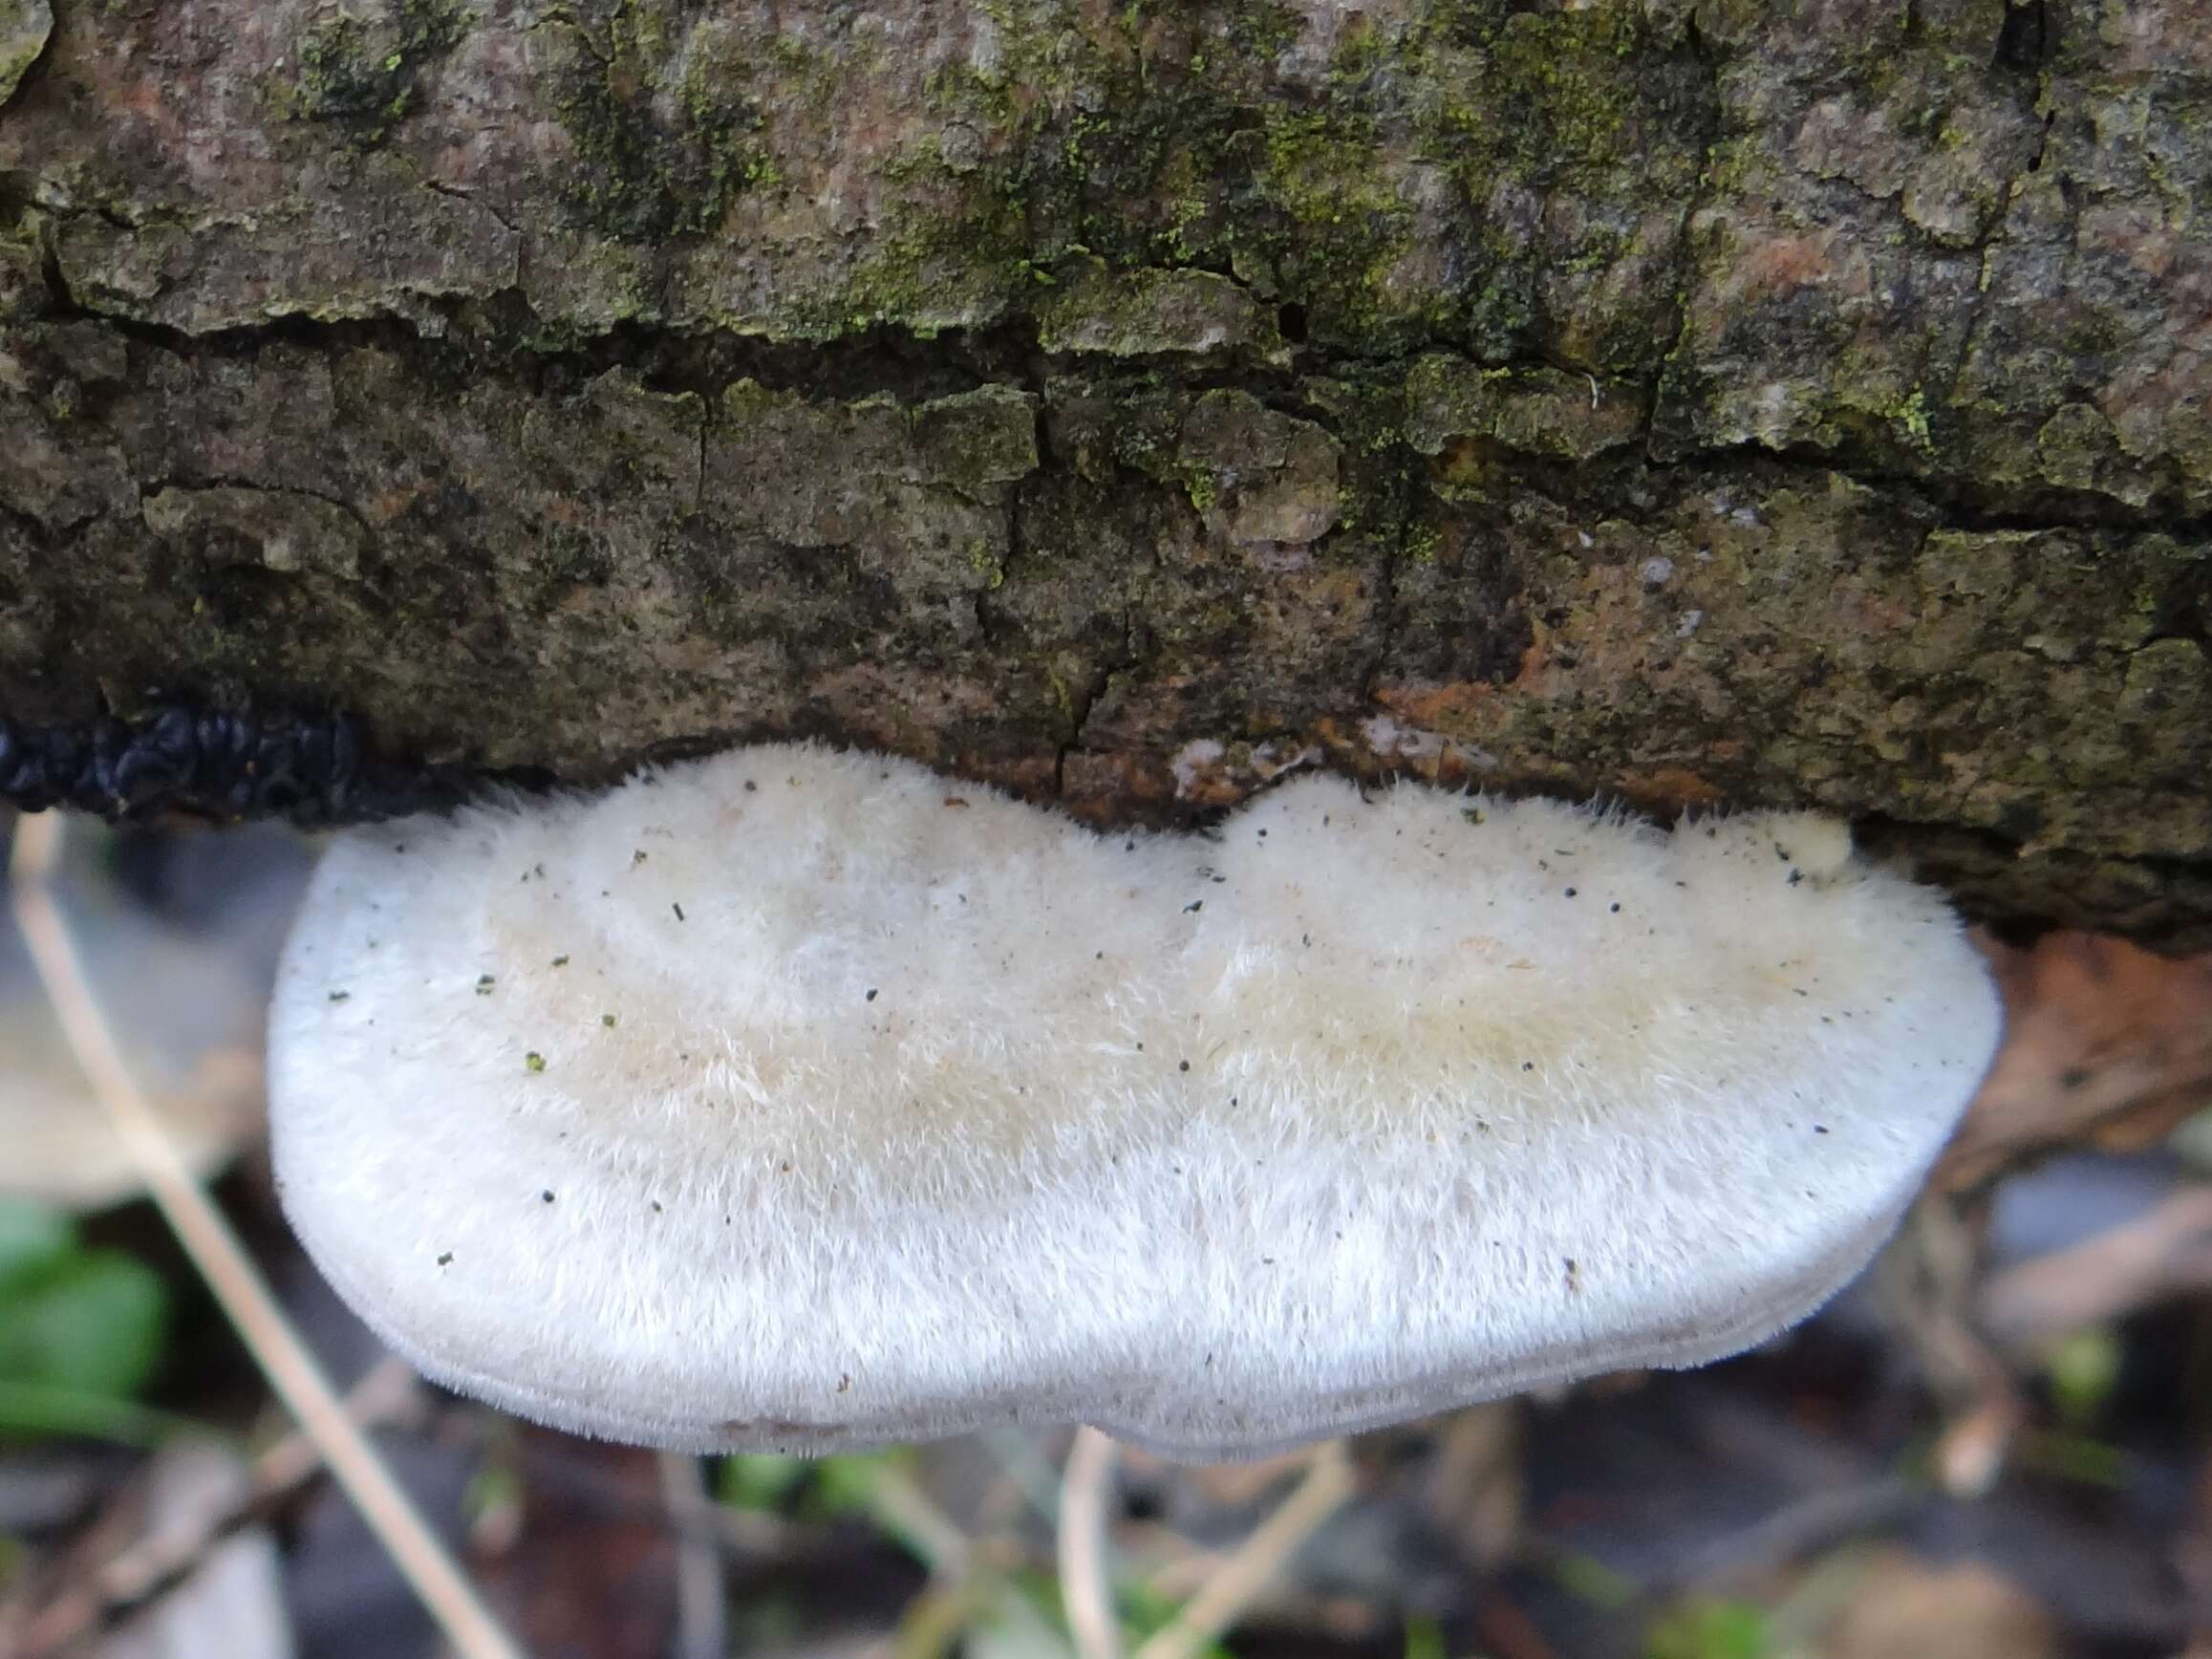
[1704,402]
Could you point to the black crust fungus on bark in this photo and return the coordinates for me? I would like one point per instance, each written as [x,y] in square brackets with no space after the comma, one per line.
[311,770]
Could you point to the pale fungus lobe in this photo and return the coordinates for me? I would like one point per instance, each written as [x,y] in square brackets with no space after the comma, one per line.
[770,1101]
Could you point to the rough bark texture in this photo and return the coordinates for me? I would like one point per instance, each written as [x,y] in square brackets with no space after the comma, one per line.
[1720,402]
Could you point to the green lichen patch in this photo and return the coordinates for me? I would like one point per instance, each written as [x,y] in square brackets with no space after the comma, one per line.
[1147,182]
[956,263]
[1166,145]
[362,71]
[978,442]
[24,27]
[1542,412]
[1256,475]
[665,130]
[1131,314]
[571,556]
[1104,422]
[2078,449]
[1545,93]
[1339,235]
[23,293]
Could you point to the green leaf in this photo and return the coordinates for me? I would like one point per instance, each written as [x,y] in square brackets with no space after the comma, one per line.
[1423,1638]
[28,1411]
[71,1318]
[2084,1370]
[494,1489]
[1145,1613]
[1594,1581]
[33,1238]
[847,1483]
[759,1481]
[1707,1629]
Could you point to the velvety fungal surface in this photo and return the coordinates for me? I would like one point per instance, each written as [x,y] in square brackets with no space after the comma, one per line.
[807,1100]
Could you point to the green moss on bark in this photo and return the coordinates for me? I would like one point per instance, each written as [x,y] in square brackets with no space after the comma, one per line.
[663,144]
[362,73]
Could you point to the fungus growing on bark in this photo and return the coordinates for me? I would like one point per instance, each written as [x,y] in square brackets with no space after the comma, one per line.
[801,1111]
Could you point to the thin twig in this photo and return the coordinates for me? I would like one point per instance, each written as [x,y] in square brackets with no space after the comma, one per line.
[933,1624]
[751,1536]
[1223,1597]
[1167,1562]
[1811,1524]
[1034,1478]
[230,1275]
[2166,1251]
[1086,1585]
[140,1570]
[702,1620]
[1936,1269]
[903,1509]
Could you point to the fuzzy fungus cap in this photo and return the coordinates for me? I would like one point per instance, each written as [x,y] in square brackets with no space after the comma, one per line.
[805,1100]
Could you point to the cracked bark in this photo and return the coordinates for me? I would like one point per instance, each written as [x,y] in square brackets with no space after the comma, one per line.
[1696,402]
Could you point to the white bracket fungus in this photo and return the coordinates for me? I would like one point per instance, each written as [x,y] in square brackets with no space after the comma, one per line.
[807,1100]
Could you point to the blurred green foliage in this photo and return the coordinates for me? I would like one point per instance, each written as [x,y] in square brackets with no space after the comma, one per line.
[759,1481]
[811,1488]
[82,1329]
[2083,1370]
[979,1606]
[1594,1581]
[1707,1629]
[1425,1639]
